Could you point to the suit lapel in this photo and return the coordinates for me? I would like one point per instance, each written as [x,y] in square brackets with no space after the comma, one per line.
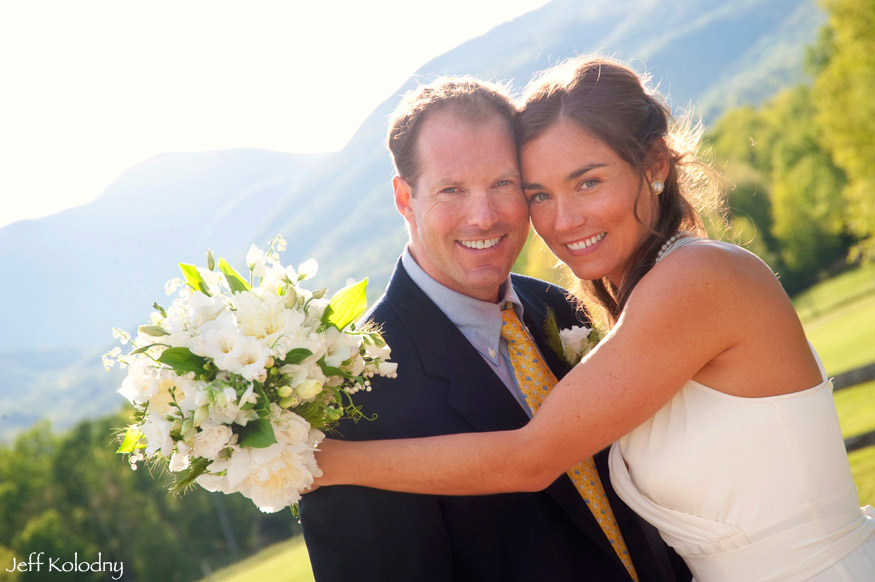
[478,395]
[474,391]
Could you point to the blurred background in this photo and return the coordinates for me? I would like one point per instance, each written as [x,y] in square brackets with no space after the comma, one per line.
[136,136]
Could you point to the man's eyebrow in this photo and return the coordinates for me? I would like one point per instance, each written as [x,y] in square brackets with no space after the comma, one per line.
[572,176]
[510,174]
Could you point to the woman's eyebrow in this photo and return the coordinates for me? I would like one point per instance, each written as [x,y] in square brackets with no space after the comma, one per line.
[571,177]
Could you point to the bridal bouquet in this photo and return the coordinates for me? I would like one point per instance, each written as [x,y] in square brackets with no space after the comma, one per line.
[234,381]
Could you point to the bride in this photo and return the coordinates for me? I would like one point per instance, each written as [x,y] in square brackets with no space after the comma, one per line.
[724,431]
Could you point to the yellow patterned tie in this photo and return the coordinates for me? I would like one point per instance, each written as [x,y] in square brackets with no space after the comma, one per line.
[535,379]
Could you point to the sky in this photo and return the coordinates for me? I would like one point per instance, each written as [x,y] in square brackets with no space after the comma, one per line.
[94,87]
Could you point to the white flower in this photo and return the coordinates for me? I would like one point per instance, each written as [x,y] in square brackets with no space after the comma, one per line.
[156,431]
[223,344]
[255,260]
[308,269]
[204,308]
[576,343]
[210,440]
[265,318]
[162,401]
[139,385]
[374,351]
[273,477]
[228,409]
[252,358]
[173,285]
[356,365]
[294,373]
[340,347]
[180,459]
[388,369]
[308,389]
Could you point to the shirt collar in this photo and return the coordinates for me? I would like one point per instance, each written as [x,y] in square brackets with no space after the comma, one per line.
[479,321]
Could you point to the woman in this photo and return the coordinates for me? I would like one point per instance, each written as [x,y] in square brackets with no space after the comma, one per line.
[726,434]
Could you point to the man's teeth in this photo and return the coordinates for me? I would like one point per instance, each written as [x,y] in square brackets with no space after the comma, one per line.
[481,244]
[587,242]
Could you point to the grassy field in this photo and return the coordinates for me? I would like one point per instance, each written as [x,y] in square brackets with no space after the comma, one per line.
[283,562]
[839,318]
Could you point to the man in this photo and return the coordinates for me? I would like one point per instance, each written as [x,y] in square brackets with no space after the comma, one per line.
[458,189]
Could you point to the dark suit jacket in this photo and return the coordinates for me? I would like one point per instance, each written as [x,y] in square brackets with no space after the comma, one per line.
[444,386]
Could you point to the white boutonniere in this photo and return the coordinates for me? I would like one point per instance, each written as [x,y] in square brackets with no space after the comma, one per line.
[570,344]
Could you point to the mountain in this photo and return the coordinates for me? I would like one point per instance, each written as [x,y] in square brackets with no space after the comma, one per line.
[86,269]
[72,276]
[714,54]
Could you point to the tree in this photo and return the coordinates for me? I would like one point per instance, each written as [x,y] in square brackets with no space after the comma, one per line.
[786,195]
[845,97]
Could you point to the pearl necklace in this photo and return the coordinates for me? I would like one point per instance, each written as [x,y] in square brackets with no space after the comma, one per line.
[667,244]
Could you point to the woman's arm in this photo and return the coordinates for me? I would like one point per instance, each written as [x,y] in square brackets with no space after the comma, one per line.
[673,325]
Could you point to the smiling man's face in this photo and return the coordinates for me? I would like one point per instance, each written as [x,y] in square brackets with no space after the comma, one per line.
[467,214]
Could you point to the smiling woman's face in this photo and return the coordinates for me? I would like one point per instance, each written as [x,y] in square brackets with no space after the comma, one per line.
[583,200]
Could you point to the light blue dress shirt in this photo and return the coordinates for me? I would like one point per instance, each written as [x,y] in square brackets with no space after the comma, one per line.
[479,321]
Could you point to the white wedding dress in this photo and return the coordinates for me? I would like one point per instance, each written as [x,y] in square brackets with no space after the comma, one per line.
[749,489]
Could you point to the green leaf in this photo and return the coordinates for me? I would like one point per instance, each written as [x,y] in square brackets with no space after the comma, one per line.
[194,279]
[333,371]
[131,441]
[159,309]
[296,356]
[551,330]
[153,330]
[235,281]
[182,360]
[257,434]
[347,305]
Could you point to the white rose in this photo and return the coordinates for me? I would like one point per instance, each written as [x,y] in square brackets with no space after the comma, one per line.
[210,440]
[575,343]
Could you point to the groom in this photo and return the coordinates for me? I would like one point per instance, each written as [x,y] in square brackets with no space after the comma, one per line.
[458,189]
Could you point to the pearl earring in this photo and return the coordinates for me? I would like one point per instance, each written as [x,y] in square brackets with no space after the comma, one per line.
[657,187]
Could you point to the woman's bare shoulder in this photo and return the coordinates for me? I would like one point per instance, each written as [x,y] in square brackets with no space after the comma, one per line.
[714,262]
[718,280]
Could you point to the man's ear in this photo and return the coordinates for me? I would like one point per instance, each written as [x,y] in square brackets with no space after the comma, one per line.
[403,196]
